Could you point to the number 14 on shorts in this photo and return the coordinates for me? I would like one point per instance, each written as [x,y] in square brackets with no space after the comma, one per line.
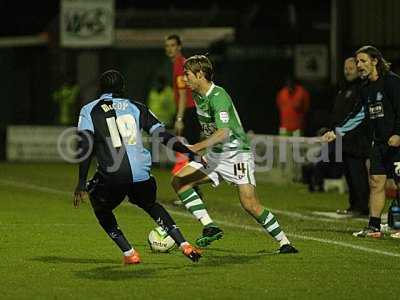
[239,170]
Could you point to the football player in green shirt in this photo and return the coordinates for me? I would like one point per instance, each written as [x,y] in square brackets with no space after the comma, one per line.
[228,156]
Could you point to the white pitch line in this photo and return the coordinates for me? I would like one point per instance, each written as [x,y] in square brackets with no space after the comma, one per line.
[282,212]
[34,187]
[299,236]
[301,216]
[41,224]
[225,223]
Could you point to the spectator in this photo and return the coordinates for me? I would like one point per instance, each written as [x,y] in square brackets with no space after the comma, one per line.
[293,102]
[355,144]
[160,101]
[66,99]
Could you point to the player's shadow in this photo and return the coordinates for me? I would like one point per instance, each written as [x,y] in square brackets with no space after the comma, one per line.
[236,259]
[222,250]
[118,273]
[72,260]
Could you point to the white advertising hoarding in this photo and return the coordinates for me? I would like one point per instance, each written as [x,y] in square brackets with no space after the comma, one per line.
[36,143]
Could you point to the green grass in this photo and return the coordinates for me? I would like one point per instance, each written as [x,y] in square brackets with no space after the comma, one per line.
[48,249]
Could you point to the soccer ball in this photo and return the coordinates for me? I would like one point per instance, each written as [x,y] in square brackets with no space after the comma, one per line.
[160,241]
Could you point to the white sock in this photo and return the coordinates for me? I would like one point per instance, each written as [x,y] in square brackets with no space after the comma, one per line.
[129,252]
[205,220]
[284,241]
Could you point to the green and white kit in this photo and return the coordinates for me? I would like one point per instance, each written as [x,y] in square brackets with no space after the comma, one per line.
[231,160]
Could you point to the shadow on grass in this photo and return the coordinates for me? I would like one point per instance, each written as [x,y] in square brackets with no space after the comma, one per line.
[73,260]
[118,273]
[222,250]
[236,259]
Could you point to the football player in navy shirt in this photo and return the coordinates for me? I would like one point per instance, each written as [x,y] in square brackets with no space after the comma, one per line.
[110,129]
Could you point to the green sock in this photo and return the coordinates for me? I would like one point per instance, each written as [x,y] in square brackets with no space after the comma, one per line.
[270,224]
[195,205]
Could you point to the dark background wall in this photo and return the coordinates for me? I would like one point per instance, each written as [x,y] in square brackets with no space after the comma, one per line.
[252,67]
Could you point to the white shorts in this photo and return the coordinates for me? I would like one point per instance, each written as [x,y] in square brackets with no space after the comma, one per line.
[233,167]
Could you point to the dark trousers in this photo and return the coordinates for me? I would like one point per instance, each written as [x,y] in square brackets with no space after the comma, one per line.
[106,196]
[315,173]
[356,175]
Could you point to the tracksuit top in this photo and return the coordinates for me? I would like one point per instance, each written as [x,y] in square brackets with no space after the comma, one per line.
[380,106]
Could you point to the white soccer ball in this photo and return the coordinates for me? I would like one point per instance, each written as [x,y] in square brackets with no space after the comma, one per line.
[160,241]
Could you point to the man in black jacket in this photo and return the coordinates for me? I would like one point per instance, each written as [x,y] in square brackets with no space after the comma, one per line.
[355,144]
[380,105]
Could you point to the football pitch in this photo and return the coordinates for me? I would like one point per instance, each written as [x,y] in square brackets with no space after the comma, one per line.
[50,250]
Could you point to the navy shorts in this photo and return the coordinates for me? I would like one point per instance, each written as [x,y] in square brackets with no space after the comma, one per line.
[105,195]
[385,160]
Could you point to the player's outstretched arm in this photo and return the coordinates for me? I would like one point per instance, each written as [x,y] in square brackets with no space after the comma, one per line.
[219,136]
[171,141]
[154,127]
[328,136]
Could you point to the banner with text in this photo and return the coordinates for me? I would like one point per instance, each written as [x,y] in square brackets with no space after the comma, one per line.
[87,23]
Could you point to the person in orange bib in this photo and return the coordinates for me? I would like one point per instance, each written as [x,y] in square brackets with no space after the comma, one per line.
[293,102]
